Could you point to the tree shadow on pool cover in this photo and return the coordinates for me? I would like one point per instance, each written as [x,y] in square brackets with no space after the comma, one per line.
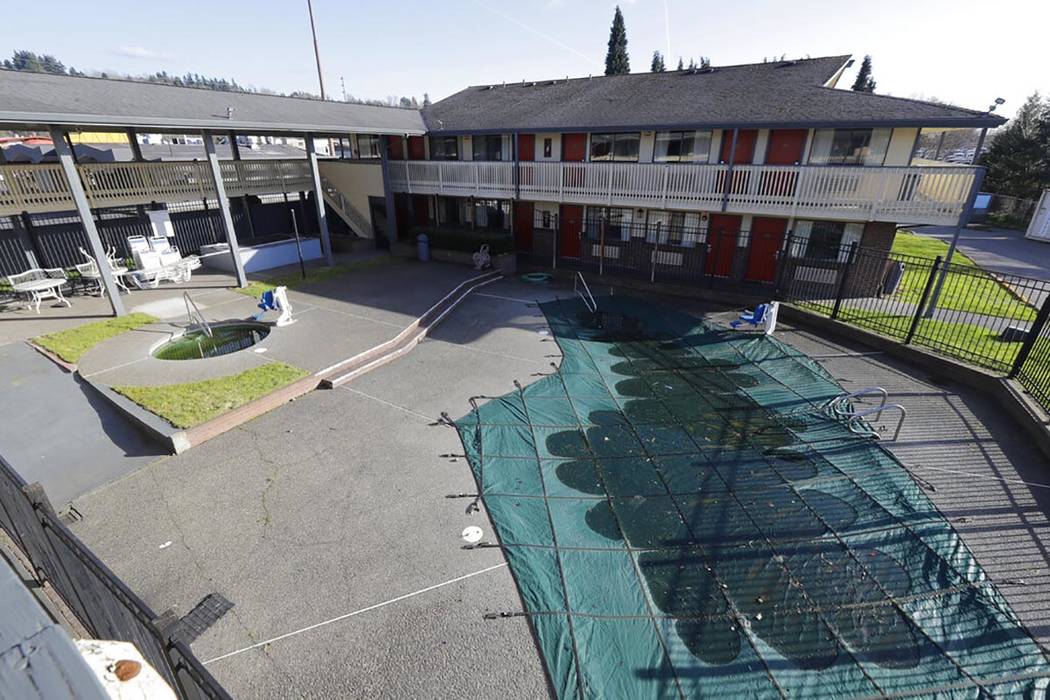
[702,479]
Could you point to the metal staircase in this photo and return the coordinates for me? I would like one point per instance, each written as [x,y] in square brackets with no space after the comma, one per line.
[342,206]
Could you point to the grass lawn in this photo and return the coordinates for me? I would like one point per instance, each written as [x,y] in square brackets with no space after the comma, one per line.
[978,293]
[186,405]
[71,344]
[313,275]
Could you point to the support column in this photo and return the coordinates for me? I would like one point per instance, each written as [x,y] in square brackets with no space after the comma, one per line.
[322,217]
[224,209]
[729,170]
[76,189]
[235,149]
[25,241]
[388,193]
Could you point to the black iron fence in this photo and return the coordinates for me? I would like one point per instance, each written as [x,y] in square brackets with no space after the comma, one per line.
[992,320]
[56,240]
[106,607]
[714,257]
[996,321]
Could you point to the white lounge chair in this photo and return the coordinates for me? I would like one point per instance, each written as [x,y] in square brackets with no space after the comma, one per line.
[39,284]
[156,261]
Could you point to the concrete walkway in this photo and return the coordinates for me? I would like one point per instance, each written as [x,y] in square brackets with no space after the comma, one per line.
[60,432]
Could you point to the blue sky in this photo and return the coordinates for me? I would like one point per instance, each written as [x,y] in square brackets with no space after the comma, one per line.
[963,51]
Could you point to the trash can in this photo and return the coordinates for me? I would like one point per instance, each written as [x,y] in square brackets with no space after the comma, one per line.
[423,247]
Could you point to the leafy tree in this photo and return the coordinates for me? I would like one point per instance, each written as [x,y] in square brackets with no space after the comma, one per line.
[616,60]
[657,65]
[864,81]
[1018,160]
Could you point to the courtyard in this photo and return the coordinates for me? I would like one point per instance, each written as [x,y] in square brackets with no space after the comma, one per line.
[328,524]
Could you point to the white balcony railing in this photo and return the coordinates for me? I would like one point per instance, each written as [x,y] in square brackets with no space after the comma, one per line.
[921,195]
[36,188]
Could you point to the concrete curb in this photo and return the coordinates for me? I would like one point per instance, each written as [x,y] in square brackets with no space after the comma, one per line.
[1004,392]
[342,372]
[66,367]
[178,440]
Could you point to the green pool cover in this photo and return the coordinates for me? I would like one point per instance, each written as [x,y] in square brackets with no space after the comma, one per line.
[682,520]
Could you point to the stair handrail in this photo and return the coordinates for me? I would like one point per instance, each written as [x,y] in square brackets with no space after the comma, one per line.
[194,313]
[588,300]
[856,419]
[345,207]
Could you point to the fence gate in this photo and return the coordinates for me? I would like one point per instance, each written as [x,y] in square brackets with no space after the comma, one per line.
[1039,228]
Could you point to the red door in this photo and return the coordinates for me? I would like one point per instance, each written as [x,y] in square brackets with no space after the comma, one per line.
[722,232]
[523,220]
[416,149]
[574,147]
[767,233]
[570,225]
[403,208]
[785,146]
[745,145]
[421,209]
[395,150]
[527,147]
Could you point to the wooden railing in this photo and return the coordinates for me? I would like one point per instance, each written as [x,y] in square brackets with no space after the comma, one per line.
[922,195]
[36,188]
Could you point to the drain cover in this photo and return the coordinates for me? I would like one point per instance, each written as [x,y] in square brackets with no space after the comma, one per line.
[205,614]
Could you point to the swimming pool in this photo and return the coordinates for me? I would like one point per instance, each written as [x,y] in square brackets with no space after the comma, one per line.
[682,519]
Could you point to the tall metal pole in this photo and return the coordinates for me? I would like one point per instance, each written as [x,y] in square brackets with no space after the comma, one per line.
[964,219]
[317,52]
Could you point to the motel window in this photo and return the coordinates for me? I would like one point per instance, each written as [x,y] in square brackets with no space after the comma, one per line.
[682,146]
[491,214]
[618,147]
[444,148]
[367,146]
[618,223]
[488,147]
[548,147]
[826,240]
[849,146]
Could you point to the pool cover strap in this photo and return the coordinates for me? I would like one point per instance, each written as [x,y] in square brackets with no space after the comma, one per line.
[681,519]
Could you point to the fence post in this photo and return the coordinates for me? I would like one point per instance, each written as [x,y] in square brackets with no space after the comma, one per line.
[843,280]
[922,301]
[654,252]
[1033,335]
[554,249]
[601,247]
[784,253]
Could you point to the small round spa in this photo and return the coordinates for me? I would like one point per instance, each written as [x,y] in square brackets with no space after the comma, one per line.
[197,344]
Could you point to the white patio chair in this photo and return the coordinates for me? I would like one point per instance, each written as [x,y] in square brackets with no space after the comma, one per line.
[89,270]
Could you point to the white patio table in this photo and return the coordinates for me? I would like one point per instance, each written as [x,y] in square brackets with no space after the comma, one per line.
[40,289]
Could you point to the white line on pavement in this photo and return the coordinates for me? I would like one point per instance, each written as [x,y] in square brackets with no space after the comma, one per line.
[355,612]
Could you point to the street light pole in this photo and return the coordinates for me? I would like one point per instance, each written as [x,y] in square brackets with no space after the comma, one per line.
[317,52]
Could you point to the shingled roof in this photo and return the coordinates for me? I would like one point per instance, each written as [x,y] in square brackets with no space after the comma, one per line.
[777,94]
[42,98]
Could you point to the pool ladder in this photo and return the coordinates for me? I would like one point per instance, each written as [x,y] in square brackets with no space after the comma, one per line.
[839,407]
[578,283]
[194,315]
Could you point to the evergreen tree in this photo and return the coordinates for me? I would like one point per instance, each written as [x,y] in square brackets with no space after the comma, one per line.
[616,61]
[705,62]
[1018,160]
[658,63]
[681,64]
[50,64]
[426,99]
[864,81]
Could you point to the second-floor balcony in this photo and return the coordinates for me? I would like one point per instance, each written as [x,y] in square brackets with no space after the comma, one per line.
[42,187]
[917,195]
